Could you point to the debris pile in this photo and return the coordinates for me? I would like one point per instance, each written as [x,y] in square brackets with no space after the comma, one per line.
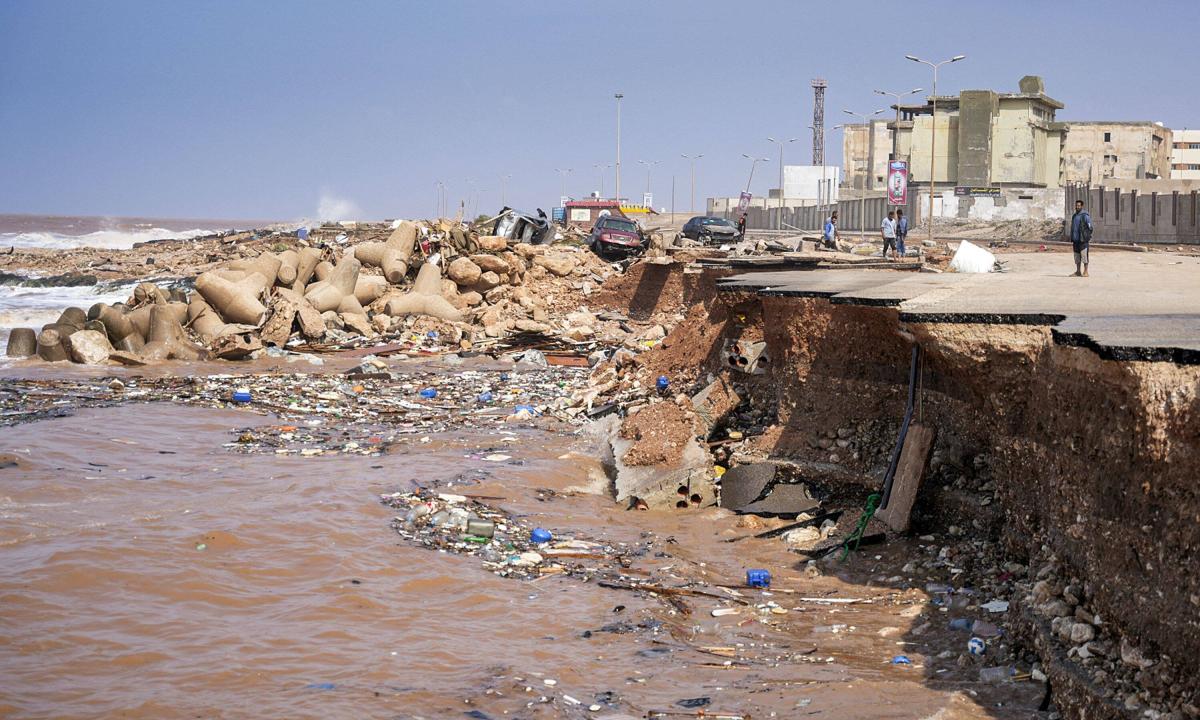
[354,289]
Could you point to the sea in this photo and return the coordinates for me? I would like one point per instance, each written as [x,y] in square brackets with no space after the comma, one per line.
[24,305]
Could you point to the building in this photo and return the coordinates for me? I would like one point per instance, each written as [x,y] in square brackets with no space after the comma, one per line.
[866,146]
[584,213]
[1185,155]
[1098,150]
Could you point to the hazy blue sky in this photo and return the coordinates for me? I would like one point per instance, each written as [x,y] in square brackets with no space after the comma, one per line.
[265,109]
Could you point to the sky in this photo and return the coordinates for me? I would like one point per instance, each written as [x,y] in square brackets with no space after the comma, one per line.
[358,108]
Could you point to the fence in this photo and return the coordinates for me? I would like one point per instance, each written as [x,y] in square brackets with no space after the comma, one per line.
[1138,217]
[812,218]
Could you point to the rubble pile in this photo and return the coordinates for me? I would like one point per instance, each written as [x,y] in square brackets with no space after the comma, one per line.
[360,287]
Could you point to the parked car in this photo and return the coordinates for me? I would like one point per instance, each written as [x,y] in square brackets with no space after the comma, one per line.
[612,235]
[714,230]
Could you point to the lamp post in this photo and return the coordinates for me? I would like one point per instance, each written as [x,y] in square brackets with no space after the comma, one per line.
[601,167]
[441,187]
[562,175]
[933,131]
[895,130]
[781,143]
[862,198]
[693,159]
[822,192]
[753,161]
[649,166]
[503,183]
[618,96]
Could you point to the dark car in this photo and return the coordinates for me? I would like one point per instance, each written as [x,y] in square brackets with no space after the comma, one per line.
[613,235]
[713,230]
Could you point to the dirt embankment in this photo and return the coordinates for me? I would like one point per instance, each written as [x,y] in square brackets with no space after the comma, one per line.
[1081,469]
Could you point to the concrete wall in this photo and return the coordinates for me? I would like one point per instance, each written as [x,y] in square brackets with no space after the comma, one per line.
[1170,217]
[812,218]
[977,108]
[947,149]
[1133,150]
[1012,204]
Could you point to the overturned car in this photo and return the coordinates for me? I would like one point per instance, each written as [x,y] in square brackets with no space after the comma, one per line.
[523,227]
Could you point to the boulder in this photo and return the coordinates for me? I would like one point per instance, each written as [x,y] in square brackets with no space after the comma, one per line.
[492,243]
[463,271]
[491,263]
[487,281]
[560,265]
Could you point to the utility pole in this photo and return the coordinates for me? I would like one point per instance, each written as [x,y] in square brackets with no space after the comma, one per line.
[933,132]
[779,220]
[503,183]
[862,204]
[562,175]
[818,126]
[896,127]
[618,96]
[693,159]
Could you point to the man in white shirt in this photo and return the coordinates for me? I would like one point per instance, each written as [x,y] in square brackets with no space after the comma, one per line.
[888,231]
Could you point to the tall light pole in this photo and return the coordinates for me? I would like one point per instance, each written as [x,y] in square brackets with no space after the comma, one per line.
[896,128]
[602,167]
[441,188]
[649,166]
[822,192]
[933,131]
[618,96]
[862,204]
[781,144]
[562,175]
[503,183]
[753,161]
[693,159]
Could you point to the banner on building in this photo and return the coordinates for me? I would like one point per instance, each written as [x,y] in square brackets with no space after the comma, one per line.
[897,182]
[961,191]
[744,202]
[559,215]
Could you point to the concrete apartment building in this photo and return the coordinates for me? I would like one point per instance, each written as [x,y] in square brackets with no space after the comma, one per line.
[1096,151]
[984,139]
[1185,155]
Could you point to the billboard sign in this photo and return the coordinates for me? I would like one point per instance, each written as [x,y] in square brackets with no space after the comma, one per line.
[897,182]
[744,202]
[648,199]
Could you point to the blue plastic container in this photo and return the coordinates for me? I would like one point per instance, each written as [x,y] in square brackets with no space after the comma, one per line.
[662,383]
[540,535]
[527,408]
[241,395]
[758,578]
[429,393]
[485,397]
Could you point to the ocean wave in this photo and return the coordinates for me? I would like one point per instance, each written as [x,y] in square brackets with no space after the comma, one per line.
[108,239]
[36,306]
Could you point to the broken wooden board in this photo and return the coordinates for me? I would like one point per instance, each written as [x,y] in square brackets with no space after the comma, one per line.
[910,470]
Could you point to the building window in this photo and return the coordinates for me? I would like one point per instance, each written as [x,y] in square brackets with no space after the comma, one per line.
[1193,146]
[1110,159]
[1107,137]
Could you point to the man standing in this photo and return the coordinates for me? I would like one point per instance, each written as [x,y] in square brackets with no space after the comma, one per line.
[901,231]
[888,231]
[742,226]
[1081,236]
[830,236]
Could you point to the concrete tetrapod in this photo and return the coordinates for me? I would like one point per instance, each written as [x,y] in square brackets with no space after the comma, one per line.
[289,260]
[73,316]
[167,339]
[22,342]
[327,294]
[50,345]
[204,320]
[308,259]
[235,302]
[266,264]
[425,298]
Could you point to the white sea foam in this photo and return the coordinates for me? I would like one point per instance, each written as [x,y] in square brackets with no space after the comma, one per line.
[36,306]
[110,239]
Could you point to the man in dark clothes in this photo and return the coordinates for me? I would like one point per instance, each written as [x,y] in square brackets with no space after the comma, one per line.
[742,226]
[1081,236]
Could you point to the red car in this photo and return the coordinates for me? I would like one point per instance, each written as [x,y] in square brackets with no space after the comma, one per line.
[613,235]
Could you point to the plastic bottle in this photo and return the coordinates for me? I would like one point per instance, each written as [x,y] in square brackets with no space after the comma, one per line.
[999,674]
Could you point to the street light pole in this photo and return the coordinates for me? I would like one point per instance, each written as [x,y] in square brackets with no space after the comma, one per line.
[862,198]
[933,132]
[503,185]
[896,129]
[618,96]
[753,161]
[779,220]
[601,167]
[693,159]
[649,166]
[562,175]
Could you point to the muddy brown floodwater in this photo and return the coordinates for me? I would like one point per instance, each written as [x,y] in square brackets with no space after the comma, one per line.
[148,572]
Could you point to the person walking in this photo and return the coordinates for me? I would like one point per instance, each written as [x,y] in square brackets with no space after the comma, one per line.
[901,232]
[830,236]
[1081,237]
[742,226]
[888,231]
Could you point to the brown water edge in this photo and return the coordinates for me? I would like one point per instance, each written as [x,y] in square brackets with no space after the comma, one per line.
[305,604]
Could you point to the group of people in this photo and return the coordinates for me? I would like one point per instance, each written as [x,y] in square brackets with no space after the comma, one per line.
[894,231]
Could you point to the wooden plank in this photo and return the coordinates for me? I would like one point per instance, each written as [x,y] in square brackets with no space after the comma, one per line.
[914,457]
